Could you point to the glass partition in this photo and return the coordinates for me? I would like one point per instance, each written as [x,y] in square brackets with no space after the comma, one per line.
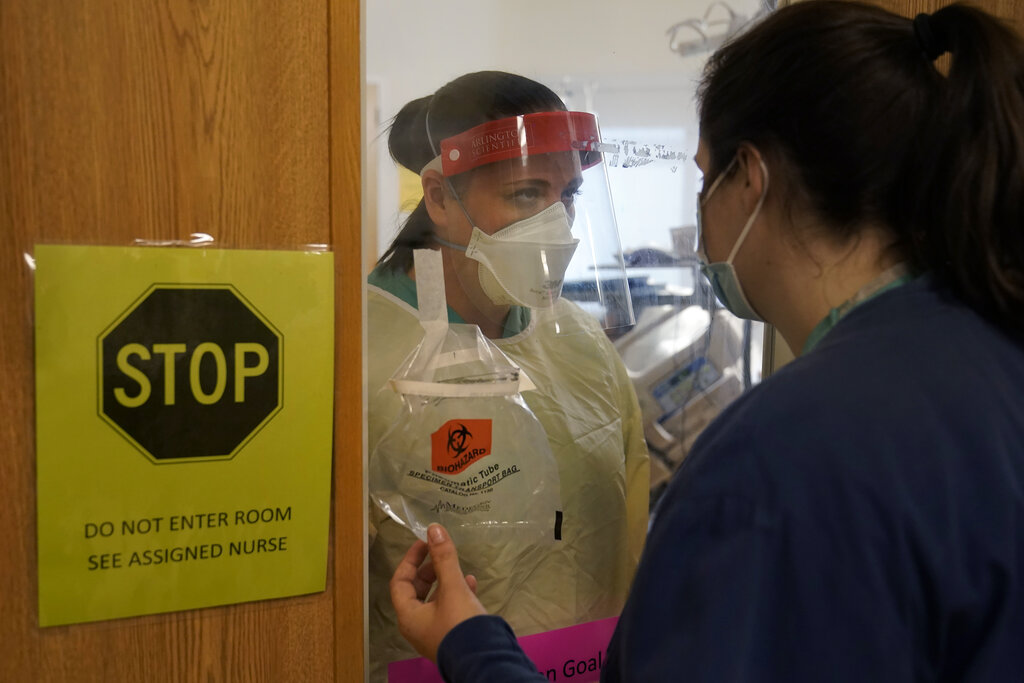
[635,67]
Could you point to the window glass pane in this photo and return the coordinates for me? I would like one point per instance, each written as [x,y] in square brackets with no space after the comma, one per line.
[635,66]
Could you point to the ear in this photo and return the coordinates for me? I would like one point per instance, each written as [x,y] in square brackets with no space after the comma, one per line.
[435,196]
[754,172]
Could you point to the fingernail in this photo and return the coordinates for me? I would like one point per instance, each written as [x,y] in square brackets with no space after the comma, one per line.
[436,533]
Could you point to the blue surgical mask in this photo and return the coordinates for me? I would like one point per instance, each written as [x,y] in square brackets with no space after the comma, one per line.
[722,275]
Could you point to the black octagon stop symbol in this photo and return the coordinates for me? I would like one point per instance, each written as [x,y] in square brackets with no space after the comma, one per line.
[190,372]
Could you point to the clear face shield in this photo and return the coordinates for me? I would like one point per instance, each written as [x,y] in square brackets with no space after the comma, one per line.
[532,218]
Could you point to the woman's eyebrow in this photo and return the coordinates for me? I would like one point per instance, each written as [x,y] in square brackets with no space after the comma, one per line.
[531,182]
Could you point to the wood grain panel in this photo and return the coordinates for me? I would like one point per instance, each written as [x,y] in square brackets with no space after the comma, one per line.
[346,81]
[152,120]
[1012,10]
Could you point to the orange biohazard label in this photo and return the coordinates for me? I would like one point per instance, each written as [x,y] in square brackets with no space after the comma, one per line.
[458,444]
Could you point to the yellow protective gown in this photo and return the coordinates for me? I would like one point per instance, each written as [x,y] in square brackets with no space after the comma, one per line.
[586,404]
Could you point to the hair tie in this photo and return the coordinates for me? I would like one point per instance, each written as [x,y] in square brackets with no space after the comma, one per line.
[927,37]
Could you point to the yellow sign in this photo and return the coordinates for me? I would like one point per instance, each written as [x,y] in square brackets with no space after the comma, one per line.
[410,189]
[183,427]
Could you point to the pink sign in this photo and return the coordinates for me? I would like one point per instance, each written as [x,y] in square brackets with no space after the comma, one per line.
[573,654]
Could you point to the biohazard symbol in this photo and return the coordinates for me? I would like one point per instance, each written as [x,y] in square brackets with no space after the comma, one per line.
[457,444]
[458,440]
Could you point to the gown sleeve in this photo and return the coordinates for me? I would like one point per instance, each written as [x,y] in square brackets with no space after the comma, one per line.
[484,648]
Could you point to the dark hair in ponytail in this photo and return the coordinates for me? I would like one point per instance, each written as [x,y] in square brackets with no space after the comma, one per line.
[847,99]
[465,102]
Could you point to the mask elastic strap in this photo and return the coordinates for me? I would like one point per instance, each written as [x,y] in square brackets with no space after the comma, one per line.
[446,243]
[435,165]
[720,178]
[753,216]
[465,213]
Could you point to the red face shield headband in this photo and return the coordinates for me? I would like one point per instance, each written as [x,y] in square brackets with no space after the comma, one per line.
[522,136]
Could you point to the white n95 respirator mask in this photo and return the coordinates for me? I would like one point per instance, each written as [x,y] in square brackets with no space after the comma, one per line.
[524,263]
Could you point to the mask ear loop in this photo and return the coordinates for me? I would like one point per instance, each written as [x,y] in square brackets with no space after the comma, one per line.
[753,216]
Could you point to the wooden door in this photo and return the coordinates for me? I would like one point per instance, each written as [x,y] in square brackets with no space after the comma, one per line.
[153,121]
[1012,10]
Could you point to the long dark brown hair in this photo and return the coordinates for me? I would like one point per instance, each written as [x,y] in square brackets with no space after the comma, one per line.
[463,103]
[848,100]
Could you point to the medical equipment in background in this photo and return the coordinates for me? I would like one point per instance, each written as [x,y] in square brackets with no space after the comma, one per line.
[687,357]
[686,366]
[638,264]
[707,33]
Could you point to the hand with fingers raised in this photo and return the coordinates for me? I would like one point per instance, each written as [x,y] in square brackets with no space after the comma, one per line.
[425,621]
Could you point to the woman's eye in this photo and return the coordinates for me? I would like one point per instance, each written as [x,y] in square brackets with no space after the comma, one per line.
[527,194]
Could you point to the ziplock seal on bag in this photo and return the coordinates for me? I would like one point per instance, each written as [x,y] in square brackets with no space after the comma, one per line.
[465,451]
